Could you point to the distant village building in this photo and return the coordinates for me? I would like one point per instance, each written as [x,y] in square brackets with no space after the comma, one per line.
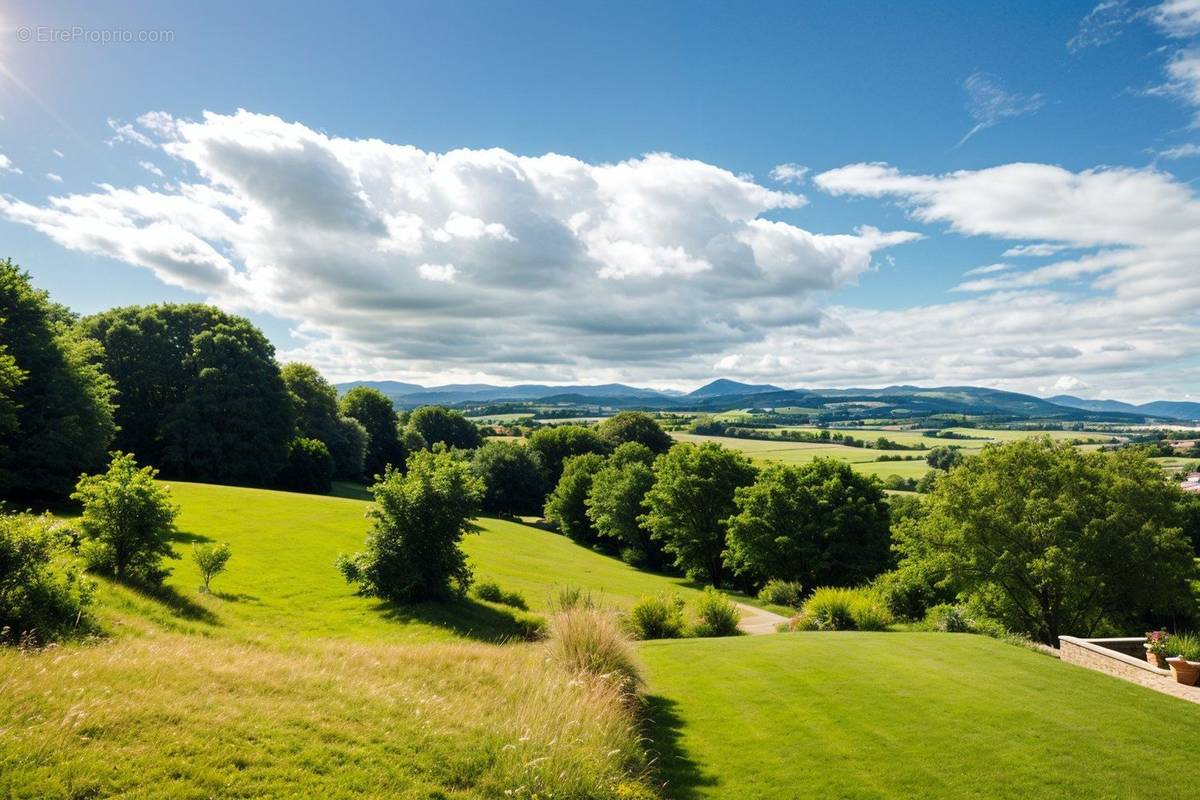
[1192,483]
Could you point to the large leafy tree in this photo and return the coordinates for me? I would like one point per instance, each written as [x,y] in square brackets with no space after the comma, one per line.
[417,523]
[56,413]
[436,424]
[513,476]
[616,504]
[373,410]
[317,417]
[1052,541]
[821,524]
[127,521]
[635,426]
[566,506]
[556,444]
[200,393]
[690,502]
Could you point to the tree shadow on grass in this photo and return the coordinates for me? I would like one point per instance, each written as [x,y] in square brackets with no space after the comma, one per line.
[179,604]
[463,617]
[186,537]
[675,770]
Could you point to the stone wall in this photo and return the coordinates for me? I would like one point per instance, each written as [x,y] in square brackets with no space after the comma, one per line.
[1110,656]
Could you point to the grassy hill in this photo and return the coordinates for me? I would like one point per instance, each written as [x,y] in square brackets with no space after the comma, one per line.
[862,715]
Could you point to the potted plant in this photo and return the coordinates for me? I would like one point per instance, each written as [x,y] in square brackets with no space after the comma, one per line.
[1157,643]
[1185,664]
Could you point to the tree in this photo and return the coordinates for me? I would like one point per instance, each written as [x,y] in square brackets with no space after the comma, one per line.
[690,501]
[417,523]
[309,467]
[437,424]
[210,560]
[1048,540]
[821,524]
[615,504]
[200,393]
[556,444]
[127,521]
[56,413]
[43,593]
[635,426]
[566,507]
[374,411]
[315,401]
[513,477]
[943,457]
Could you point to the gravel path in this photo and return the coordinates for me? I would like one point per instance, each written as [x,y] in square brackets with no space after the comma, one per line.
[757,621]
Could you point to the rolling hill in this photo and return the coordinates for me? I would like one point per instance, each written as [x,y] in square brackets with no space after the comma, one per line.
[1181,410]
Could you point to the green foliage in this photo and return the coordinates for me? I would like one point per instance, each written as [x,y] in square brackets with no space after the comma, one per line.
[1184,645]
[200,394]
[777,592]
[690,501]
[566,598]
[309,467]
[315,402]
[615,504]
[836,608]
[1047,540]
[127,521]
[417,523]
[373,410]
[43,592]
[819,523]
[656,617]
[948,618]
[944,457]
[56,413]
[909,591]
[1190,522]
[566,507]
[211,560]
[491,592]
[513,477]
[717,615]
[589,641]
[436,424]
[635,426]
[555,445]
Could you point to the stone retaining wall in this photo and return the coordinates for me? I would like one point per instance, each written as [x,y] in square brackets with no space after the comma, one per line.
[1111,656]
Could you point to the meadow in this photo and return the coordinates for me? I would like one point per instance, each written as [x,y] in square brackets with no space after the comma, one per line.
[868,715]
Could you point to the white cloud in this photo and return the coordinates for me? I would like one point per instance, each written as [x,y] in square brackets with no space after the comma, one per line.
[789,173]
[1039,250]
[1069,383]
[58,153]
[989,103]
[151,167]
[394,260]
[1179,151]
[1179,18]
[1102,24]
[987,270]
[7,165]
[54,177]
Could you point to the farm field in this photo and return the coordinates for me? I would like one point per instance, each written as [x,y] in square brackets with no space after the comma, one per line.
[282,583]
[860,715]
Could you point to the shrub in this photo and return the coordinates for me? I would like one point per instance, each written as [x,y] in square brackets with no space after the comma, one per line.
[418,520]
[127,521]
[210,560]
[948,619]
[589,641]
[718,615]
[491,592]
[837,609]
[782,593]
[43,593]
[870,614]
[309,467]
[656,617]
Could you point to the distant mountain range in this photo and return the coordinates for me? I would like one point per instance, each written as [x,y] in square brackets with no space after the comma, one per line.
[724,395]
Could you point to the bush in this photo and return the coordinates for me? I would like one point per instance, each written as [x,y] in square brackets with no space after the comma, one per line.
[210,560]
[656,617]
[418,520]
[782,593]
[589,641]
[948,619]
[309,467]
[43,593]
[491,592]
[718,615]
[836,609]
[127,521]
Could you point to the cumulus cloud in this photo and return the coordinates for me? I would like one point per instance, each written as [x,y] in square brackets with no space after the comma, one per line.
[394,260]
[7,165]
[989,103]
[1179,18]
[789,173]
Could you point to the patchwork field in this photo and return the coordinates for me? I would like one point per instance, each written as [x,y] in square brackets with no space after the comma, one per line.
[868,715]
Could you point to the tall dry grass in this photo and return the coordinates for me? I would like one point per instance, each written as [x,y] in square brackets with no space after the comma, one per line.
[178,716]
[589,641]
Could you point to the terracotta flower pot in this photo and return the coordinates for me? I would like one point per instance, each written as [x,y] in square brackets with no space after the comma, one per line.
[1186,672]
[1157,659]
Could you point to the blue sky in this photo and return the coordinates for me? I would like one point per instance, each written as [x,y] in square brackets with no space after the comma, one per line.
[650,285]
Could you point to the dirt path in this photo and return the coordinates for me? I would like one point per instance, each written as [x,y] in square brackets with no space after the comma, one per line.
[756,621]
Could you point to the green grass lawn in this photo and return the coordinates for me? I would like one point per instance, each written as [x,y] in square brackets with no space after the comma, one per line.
[281,582]
[858,715]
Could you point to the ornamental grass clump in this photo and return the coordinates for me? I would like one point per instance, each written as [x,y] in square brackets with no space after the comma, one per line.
[656,617]
[718,615]
[835,608]
[588,641]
